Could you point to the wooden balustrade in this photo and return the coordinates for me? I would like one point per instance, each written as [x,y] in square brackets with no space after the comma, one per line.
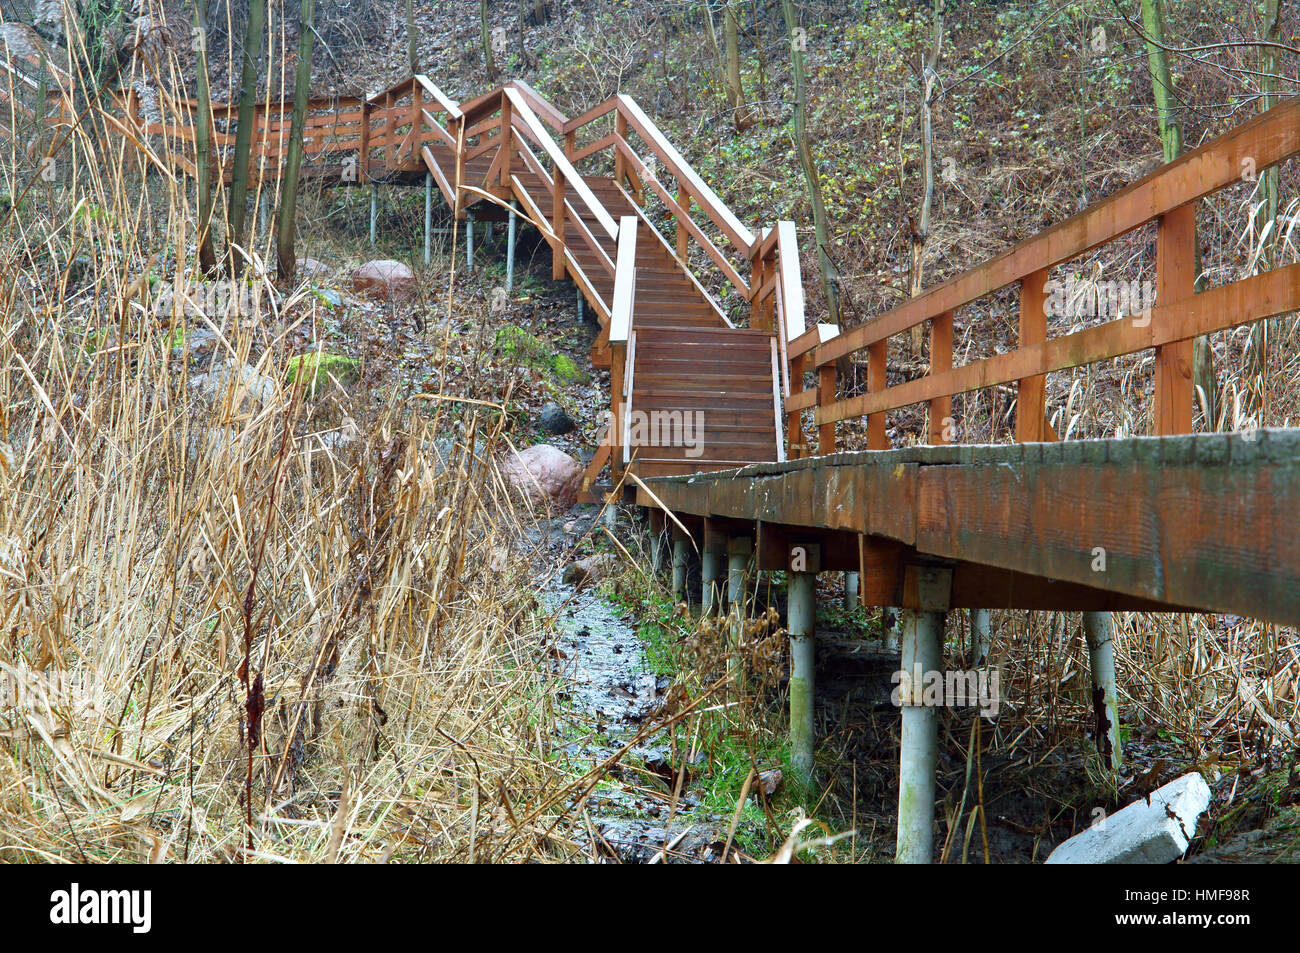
[1168,197]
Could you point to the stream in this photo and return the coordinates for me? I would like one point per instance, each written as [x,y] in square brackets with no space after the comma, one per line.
[611,694]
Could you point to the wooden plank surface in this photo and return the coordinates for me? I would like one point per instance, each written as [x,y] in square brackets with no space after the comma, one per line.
[1203,522]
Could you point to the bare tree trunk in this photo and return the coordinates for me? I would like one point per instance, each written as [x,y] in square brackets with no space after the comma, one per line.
[740,116]
[820,226]
[244,132]
[485,34]
[412,39]
[1171,137]
[203,141]
[920,226]
[287,258]
[1257,352]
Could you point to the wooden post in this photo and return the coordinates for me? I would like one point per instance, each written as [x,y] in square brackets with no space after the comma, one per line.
[504,145]
[940,361]
[557,223]
[1175,280]
[1031,402]
[683,236]
[620,160]
[826,397]
[363,157]
[417,121]
[794,442]
[761,309]
[390,133]
[877,355]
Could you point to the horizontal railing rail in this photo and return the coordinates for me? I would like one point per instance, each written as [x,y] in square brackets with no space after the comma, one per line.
[1167,197]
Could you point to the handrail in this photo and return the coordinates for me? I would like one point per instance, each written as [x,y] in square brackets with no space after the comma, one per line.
[542,107]
[790,299]
[718,213]
[540,138]
[1261,142]
[449,107]
[620,315]
[1166,196]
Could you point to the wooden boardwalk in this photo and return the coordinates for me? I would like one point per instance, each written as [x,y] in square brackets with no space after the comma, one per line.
[1168,522]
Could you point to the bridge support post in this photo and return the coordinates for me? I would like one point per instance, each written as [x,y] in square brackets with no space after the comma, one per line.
[428,218]
[680,552]
[582,304]
[264,211]
[801,623]
[922,653]
[374,212]
[710,580]
[850,591]
[890,620]
[740,550]
[980,640]
[510,249]
[656,541]
[1099,630]
[469,243]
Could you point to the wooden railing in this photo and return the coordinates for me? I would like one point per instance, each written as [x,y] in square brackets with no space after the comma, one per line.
[773,291]
[20,72]
[413,126]
[1168,197]
[622,336]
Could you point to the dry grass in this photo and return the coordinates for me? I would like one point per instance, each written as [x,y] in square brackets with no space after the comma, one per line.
[176,569]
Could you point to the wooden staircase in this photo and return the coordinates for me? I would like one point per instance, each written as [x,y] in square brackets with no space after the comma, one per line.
[690,392]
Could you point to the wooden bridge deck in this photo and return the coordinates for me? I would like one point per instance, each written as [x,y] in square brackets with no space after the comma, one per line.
[1203,522]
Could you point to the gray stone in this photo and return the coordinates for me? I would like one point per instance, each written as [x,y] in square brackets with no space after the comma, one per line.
[554,420]
[1153,830]
[311,268]
[244,384]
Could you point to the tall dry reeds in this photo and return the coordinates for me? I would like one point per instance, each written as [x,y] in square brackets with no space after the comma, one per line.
[243,617]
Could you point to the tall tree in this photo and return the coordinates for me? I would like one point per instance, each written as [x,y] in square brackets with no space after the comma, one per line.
[1266,217]
[252,60]
[286,259]
[412,39]
[203,140]
[920,223]
[735,89]
[485,34]
[1171,138]
[820,226]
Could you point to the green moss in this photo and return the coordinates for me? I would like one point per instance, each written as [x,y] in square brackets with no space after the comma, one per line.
[322,366]
[518,345]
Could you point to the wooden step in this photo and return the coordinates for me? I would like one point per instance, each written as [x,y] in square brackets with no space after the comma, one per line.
[655,378]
